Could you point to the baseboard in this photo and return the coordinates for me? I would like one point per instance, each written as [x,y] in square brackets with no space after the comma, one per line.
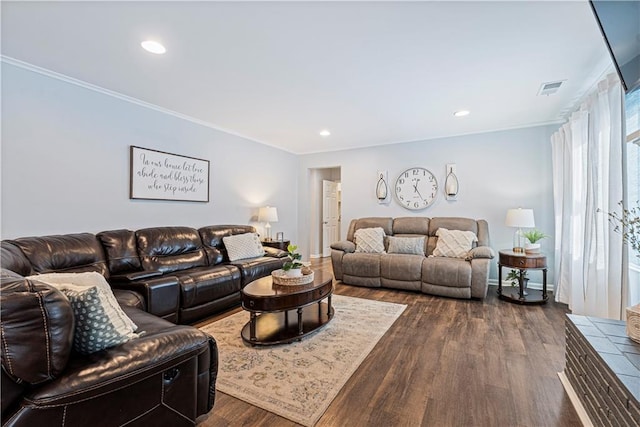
[315,256]
[577,405]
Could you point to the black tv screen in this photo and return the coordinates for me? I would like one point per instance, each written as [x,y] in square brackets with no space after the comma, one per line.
[619,23]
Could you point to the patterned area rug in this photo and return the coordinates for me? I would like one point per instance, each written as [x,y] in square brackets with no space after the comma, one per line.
[298,381]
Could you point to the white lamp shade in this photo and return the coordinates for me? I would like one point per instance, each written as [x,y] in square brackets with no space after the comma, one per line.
[520,218]
[268,214]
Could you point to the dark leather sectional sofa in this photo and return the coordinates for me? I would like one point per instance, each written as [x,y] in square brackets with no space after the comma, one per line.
[160,276]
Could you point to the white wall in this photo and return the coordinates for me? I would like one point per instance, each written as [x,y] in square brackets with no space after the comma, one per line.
[496,171]
[65,164]
[65,168]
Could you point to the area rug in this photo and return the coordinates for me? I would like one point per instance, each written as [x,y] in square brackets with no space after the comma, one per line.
[298,381]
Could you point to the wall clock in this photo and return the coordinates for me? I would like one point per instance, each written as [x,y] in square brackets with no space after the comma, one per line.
[416,188]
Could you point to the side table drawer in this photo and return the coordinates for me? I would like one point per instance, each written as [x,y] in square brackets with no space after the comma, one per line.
[523,262]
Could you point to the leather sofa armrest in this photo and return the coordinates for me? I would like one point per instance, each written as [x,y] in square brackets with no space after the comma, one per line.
[136,275]
[480,252]
[344,245]
[161,294]
[274,252]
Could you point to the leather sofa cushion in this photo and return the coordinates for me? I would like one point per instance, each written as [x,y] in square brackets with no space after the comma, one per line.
[121,250]
[411,225]
[129,298]
[361,264]
[163,345]
[255,268]
[12,258]
[386,223]
[450,223]
[71,253]
[401,267]
[37,329]
[212,235]
[453,272]
[205,284]
[169,249]
[453,223]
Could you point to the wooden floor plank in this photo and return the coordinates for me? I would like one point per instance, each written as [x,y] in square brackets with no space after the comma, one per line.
[444,362]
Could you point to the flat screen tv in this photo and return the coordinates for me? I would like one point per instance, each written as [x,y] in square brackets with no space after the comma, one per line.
[619,23]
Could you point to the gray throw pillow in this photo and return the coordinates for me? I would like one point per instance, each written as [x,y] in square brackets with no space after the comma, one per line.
[406,245]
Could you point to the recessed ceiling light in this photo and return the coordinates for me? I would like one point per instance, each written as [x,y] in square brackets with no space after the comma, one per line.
[461,113]
[325,133]
[153,47]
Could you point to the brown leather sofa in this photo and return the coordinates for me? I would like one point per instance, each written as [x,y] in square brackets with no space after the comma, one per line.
[182,274]
[159,275]
[165,377]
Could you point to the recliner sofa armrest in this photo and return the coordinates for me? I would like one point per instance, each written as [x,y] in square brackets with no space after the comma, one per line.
[162,294]
[136,275]
[274,252]
[344,245]
[480,252]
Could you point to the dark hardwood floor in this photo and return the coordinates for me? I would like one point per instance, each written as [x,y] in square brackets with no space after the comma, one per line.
[444,362]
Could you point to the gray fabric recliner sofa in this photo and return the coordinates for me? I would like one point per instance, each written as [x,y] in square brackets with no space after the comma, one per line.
[451,277]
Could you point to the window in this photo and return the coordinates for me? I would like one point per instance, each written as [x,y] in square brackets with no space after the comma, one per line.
[632,112]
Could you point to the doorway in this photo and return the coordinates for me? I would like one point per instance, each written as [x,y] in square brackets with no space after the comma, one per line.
[326,196]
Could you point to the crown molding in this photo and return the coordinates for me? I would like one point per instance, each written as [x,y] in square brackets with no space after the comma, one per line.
[95,88]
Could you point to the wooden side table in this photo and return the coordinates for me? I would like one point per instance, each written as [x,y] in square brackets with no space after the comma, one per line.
[523,262]
[278,244]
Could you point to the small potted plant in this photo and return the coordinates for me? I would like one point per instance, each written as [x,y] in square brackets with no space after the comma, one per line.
[533,236]
[514,279]
[293,266]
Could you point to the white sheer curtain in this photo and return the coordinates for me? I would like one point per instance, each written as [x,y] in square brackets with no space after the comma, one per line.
[587,182]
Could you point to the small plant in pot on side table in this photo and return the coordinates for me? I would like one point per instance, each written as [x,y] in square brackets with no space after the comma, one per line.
[514,278]
[533,236]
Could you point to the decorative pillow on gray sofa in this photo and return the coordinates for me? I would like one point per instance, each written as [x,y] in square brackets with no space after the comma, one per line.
[454,243]
[406,245]
[241,246]
[370,240]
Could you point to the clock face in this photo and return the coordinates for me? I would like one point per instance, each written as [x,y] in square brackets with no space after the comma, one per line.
[416,188]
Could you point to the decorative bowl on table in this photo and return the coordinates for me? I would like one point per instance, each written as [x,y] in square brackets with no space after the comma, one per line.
[280,277]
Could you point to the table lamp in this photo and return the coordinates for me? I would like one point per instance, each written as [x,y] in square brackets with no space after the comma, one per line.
[519,218]
[267,214]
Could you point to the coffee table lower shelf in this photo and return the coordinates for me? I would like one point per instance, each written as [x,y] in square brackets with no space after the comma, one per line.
[284,327]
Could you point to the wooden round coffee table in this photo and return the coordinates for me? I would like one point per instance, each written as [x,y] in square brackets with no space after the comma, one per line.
[283,314]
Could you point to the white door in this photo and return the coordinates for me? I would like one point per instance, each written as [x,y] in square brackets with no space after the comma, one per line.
[330,216]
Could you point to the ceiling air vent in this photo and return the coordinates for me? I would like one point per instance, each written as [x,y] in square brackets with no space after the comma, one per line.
[550,88]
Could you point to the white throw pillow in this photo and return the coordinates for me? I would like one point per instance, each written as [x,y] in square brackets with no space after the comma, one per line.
[370,240]
[241,246]
[454,243]
[100,321]
[87,280]
[406,245]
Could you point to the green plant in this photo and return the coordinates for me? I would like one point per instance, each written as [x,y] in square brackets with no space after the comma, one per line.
[627,224]
[534,235]
[514,277]
[293,259]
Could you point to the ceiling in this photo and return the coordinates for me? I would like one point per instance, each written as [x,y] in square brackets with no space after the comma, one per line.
[280,72]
